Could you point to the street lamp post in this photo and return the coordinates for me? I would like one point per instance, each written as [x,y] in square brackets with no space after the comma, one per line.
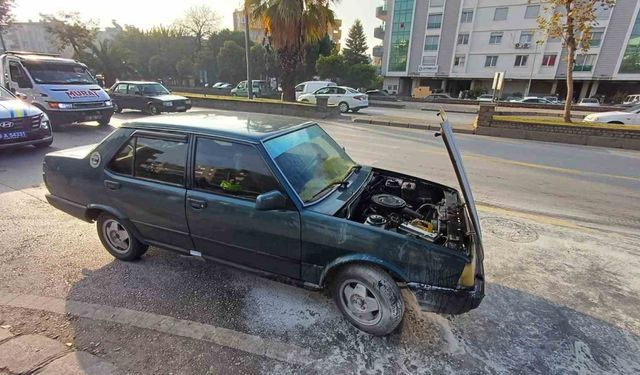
[246,49]
[533,65]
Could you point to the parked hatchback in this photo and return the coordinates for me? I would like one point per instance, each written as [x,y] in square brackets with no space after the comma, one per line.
[260,89]
[150,97]
[346,98]
[281,198]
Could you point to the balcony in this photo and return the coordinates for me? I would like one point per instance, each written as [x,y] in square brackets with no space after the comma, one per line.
[378,32]
[582,68]
[381,13]
[377,51]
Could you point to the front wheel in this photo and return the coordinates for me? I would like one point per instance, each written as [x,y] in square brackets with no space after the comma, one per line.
[118,239]
[116,108]
[43,144]
[153,109]
[344,107]
[104,121]
[369,298]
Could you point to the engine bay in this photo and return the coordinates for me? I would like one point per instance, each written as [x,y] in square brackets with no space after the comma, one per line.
[413,207]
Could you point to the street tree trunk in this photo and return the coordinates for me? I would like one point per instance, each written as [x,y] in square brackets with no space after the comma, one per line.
[288,63]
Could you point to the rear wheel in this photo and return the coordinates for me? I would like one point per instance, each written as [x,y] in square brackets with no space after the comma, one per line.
[118,239]
[369,298]
[344,107]
[616,122]
[355,110]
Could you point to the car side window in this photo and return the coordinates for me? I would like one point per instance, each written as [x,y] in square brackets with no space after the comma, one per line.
[232,169]
[121,89]
[340,91]
[134,89]
[122,162]
[324,90]
[19,76]
[300,88]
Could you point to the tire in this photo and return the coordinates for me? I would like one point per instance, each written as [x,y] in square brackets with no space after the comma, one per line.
[104,121]
[355,110]
[116,108]
[304,101]
[43,144]
[153,110]
[118,239]
[358,288]
[616,122]
[344,107]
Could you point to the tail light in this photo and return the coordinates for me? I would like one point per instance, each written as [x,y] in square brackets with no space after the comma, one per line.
[360,97]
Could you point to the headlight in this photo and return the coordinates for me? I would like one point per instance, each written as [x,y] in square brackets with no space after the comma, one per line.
[108,103]
[57,105]
[44,122]
[590,118]
[167,104]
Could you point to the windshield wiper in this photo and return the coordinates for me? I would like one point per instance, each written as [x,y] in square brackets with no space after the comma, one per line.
[341,183]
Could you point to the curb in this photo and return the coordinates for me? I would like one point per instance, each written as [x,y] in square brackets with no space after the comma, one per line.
[451,111]
[406,125]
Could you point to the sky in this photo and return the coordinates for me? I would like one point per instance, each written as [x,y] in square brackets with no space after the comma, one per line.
[147,13]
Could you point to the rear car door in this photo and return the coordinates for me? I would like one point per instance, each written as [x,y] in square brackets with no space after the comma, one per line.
[134,97]
[224,224]
[145,180]
[337,95]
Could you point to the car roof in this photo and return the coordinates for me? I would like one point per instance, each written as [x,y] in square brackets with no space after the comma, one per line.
[138,82]
[250,127]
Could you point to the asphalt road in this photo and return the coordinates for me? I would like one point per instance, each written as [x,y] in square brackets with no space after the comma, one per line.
[561,231]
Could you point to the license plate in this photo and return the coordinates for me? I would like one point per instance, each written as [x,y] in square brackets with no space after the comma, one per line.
[13,135]
[180,108]
[92,117]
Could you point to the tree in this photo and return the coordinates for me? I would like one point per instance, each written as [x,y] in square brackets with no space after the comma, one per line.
[572,21]
[199,22]
[355,51]
[331,67]
[70,30]
[6,18]
[231,62]
[159,67]
[185,68]
[361,76]
[291,24]
[110,61]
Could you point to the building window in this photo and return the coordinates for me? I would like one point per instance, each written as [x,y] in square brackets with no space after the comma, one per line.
[602,12]
[532,11]
[463,39]
[431,42]
[501,14]
[400,32]
[526,37]
[596,37]
[495,38]
[434,21]
[467,16]
[429,60]
[631,58]
[491,61]
[436,3]
[521,60]
[549,60]
[584,63]
[458,61]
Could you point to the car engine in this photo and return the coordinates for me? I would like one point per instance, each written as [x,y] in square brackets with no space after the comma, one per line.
[412,207]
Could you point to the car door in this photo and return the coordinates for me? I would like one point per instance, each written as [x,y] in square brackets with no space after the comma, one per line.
[224,224]
[134,97]
[145,180]
[119,95]
[321,93]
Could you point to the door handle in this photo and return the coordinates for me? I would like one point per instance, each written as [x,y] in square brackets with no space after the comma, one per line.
[111,185]
[197,204]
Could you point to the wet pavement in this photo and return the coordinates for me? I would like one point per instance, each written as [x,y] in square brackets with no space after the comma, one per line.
[562,280]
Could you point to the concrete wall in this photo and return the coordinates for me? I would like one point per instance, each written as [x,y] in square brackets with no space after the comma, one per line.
[285,109]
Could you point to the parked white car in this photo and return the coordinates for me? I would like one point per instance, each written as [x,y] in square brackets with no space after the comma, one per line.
[485,98]
[533,100]
[630,116]
[631,99]
[346,98]
[311,87]
[589,102]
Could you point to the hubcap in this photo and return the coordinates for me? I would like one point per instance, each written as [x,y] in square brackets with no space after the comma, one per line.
[360,302]
[344,107]
[117,236]
[154,110]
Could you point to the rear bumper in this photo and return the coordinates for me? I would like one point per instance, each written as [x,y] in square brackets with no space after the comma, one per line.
[69,117]
[72,208]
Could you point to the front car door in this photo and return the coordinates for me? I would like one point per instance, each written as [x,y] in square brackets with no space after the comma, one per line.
[224,224]
[322,93]
[146,180]
[119,95]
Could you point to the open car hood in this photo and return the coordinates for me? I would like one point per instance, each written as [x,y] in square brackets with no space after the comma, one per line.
[456,160]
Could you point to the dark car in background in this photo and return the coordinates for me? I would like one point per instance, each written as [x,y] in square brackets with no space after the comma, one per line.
[281,198]
[149,97]
[381,95]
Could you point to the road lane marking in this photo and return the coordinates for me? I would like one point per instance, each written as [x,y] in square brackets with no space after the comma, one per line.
[257,345]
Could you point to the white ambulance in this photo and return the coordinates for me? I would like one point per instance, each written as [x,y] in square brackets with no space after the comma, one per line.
[62,88]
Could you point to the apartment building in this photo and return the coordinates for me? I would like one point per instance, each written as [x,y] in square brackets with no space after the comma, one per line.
[455,45]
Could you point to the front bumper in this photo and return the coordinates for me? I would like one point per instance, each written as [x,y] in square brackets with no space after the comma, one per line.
[69,117]
[448,300]
[175,108]
[33,138]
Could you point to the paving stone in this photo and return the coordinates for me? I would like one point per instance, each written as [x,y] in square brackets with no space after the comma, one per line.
[25,352]
[79,363]
[5,334]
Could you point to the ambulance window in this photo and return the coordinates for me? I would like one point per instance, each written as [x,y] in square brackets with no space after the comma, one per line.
[19,76]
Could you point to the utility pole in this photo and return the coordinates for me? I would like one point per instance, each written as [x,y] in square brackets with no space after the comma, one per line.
[246,49]
[533,65]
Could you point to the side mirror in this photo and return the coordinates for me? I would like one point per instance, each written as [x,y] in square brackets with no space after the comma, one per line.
[271,201]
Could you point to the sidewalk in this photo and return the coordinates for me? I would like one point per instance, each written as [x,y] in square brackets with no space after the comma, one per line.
[38,354]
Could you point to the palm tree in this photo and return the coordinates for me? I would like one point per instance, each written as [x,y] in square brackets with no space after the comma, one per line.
[110,60]
[291,24]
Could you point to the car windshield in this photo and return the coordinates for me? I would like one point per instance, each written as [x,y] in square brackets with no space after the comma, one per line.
[5,94]
[154,89]
[59,73]
[311,161]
